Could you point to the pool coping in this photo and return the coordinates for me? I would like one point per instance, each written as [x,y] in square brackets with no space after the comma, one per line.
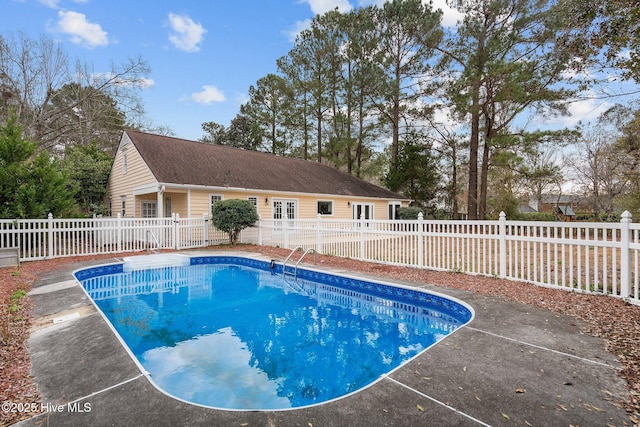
[511,363]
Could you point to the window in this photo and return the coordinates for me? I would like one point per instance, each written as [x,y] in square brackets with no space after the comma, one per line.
[393,209]
[123,206]
[291,210]
[149,208]
[362,211]
[325,207]
[213,198]
[254,201]
[284,210]
[167,206]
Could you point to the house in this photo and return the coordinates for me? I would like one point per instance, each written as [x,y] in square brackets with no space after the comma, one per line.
[157,176]
[553,202]
[565,213]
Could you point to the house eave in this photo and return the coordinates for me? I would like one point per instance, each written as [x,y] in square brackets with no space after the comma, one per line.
[290,194]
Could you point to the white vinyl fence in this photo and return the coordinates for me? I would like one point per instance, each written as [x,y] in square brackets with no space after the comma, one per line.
[586,257]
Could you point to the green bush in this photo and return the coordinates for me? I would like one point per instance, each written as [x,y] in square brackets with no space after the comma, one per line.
[232,216]
[409,212]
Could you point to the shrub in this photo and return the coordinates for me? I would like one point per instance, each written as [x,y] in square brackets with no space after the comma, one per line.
[410,212]
[232,216]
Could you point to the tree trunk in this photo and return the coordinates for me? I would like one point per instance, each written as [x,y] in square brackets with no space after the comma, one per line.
[472,196]
[484,180]
[319,119]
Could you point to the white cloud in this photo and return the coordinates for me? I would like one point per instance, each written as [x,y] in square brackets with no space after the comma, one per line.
[80,30]
[583,111]
[319,7]
[297,28]
[208,95]
[450,16]
[53,4]
[186,35]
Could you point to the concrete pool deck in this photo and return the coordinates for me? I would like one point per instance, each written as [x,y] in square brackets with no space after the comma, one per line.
[513,364]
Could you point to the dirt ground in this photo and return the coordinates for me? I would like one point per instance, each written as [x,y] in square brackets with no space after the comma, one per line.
[614,320]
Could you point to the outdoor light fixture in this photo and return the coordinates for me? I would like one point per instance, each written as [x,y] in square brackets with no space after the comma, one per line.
[266,200]
[348,204]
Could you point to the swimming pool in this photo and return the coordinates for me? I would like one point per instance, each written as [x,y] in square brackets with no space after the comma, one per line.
[234,333]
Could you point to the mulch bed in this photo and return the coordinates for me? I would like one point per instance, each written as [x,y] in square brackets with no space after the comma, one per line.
[612,319]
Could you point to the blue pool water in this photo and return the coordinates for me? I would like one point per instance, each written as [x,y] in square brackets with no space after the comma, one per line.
[233,333]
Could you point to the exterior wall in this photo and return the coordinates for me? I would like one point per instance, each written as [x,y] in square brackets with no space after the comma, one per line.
[121,183]
[307,205]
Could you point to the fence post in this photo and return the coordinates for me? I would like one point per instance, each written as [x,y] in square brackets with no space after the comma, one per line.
[503,244]
[119,232]
[420,240]
[50,235]
[318,234]
[205,234]
[285,227]
[260,230]
[362,224]
[625,255]
[175,234]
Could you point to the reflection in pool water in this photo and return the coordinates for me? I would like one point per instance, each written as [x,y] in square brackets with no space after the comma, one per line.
[242,337]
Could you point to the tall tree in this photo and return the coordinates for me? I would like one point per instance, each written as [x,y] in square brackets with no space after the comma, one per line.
[610,27]
[84,116]
[312,63]
[244,132]
[300,118]
[87,168]
[408,32]
[268,106]
[539,171]
[508,57]
[627,149]
[215,133]
[600,172]
[417,175]
[45,90]
[30,187]
[358,78]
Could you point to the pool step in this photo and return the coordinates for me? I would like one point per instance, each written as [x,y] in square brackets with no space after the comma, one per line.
[144,262]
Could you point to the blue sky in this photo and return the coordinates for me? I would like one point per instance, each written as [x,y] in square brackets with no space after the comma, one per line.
[203,55]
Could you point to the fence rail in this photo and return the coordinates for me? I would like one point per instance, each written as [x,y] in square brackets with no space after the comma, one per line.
[586,257]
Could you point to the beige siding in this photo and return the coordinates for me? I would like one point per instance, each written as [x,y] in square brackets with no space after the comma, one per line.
[178,203]
[307,204]
[121,183]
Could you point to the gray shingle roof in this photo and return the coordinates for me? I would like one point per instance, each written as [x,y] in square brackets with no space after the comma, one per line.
[566,210]
[180,161]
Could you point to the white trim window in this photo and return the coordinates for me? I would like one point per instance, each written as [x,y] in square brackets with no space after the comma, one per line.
[254,201]
[325,207]
[393,209]
[362,211]
[284,210]
[149,208]
[167,207]
[213,199]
